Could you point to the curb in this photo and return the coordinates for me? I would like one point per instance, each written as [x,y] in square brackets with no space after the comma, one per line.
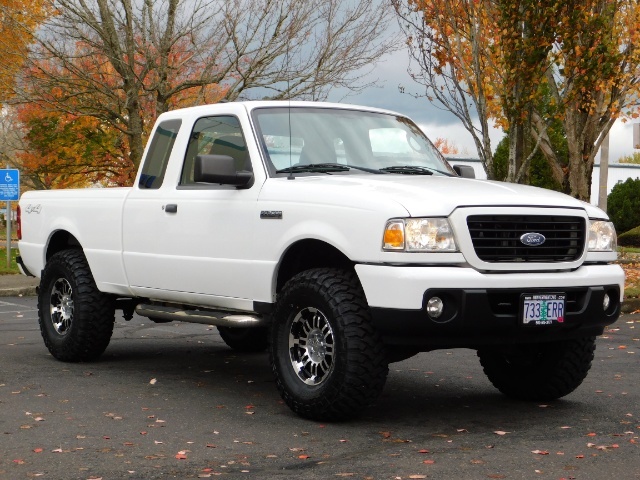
[19,292]
[630,305]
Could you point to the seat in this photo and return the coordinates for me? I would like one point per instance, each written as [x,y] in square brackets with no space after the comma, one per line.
[316,151]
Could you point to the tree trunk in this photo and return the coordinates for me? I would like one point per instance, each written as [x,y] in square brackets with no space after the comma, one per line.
[135,131]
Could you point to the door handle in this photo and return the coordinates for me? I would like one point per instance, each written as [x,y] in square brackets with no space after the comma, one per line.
[170,208]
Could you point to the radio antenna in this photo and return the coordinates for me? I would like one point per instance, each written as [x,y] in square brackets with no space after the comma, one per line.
[290,176]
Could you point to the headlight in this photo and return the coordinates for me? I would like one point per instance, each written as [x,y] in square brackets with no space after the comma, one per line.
[602,236]
[419,235]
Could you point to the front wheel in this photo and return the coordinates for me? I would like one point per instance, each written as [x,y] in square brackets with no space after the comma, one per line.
[76,319]
[328,360]
[540,372]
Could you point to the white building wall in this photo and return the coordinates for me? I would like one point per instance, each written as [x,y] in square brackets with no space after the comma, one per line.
[617,173]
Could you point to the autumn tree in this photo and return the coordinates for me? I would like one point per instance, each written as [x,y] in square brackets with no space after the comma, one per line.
[63,150]
[18,21]
[123,62]
[446,146]
[633,158]
[447,41]
[593,75]
[496,59]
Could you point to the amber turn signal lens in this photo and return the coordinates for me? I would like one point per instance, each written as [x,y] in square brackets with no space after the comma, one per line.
[394,236]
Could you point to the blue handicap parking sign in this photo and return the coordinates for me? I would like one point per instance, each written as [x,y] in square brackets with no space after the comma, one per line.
[9,184]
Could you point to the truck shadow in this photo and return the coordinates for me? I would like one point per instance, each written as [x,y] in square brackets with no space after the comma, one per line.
[447,401]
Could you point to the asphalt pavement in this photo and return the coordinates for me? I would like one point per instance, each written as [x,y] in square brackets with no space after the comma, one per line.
[172,401]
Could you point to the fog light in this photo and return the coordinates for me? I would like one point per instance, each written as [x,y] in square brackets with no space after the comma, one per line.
[606,302]
[435,306]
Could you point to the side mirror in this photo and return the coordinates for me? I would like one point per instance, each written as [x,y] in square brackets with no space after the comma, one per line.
[464,171]
[220,169]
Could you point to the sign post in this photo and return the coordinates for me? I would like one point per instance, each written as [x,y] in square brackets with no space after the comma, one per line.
[9,191]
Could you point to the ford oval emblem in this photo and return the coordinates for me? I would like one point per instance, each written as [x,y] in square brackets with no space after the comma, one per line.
[532,239]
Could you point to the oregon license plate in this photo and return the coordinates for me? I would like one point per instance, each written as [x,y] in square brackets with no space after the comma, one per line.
[543,309]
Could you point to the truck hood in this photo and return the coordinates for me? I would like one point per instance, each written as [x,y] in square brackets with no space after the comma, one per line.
[424,195]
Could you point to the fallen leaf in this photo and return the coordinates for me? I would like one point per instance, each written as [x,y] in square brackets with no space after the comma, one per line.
[500,432]
[303,457]
[423,451]
[38,450]
[153,381]
[429,462]
[417,476]
[181,456]
[540,452]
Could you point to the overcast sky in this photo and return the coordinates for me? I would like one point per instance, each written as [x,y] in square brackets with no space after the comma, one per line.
[392,73]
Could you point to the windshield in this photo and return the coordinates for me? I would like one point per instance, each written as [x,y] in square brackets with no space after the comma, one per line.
[327,141]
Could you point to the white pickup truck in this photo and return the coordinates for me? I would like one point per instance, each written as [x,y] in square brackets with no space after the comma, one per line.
[337,237]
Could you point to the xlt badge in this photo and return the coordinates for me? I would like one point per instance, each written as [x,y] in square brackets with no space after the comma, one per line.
[271,214]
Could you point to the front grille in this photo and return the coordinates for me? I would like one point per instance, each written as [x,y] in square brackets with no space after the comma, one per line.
[496,238]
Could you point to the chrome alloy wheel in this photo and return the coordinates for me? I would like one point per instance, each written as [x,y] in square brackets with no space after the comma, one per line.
[311,346]
[61,306]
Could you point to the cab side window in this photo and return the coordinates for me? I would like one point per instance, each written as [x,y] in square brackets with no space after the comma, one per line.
[215,136]
[155,164]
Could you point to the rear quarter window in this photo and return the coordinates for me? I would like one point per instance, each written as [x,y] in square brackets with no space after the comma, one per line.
[155,163]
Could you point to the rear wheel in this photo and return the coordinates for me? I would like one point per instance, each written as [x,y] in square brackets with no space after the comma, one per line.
[76,319]
[539,372]
[245,339]
[328,360]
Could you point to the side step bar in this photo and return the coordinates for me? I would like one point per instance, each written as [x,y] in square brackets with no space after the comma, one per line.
[207,317]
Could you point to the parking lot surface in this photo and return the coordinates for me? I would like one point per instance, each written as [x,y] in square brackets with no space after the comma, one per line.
[173,401]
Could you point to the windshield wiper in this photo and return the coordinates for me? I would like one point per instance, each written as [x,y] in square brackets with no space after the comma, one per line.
[410,170]
[315,167]
[327,167]
[365,169]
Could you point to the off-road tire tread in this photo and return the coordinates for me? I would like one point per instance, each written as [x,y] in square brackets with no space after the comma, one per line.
[562,369]
[366,370]
[93,318]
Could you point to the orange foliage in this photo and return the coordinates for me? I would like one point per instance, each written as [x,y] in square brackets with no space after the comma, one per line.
[19,18]
[445,146]
[66,151]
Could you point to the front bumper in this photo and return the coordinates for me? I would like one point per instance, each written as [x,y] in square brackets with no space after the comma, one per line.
[484,309]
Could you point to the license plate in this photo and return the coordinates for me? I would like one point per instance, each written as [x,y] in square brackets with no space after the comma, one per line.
[543,309]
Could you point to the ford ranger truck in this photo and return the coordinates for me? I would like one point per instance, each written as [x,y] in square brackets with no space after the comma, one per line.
[336,237]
